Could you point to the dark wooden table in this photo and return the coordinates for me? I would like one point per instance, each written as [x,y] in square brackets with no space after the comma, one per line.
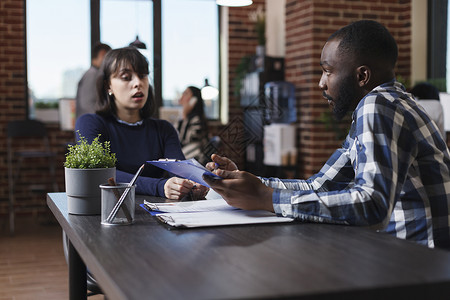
[148,260]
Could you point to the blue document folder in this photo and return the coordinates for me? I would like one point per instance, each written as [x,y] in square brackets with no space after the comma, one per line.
[190,169]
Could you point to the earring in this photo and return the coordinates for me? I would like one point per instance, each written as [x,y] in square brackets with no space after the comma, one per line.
[110,93]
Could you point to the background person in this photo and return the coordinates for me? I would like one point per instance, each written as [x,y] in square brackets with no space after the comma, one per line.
[392,172]
[87,96]
[124,119]
[193,128]
[428,97]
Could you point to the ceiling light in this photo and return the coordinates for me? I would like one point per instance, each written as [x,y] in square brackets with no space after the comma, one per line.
[209,92]
[234,3]
[138,44]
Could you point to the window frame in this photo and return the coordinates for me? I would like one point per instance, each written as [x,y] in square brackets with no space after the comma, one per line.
[157,52]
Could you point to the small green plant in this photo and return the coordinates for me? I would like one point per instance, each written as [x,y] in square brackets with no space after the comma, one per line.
[241,70]
[46,105]
[259,17]
[90,156]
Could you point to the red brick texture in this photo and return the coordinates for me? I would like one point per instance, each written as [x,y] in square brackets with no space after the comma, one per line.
[13,107]
[308,25]
[242,41]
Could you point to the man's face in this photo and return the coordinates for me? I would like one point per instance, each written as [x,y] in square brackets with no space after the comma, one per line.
[339,81]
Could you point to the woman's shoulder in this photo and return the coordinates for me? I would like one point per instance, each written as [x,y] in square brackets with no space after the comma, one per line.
[196,121]
[92,117]
[86,119]
[90,125]
[195,118]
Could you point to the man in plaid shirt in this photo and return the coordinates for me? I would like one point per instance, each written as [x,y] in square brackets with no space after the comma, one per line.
[392,171]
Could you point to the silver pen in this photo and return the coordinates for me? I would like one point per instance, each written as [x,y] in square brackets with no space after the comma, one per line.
[116,207]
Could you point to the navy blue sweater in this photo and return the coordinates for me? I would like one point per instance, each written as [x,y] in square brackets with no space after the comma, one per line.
[134,145]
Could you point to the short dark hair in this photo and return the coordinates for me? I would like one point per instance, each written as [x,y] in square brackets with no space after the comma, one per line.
[425,91]
[368,41]
[112,63]
[99,47]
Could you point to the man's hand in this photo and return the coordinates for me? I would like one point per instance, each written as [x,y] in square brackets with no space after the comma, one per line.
[221,162]
[241,189]
[199,192]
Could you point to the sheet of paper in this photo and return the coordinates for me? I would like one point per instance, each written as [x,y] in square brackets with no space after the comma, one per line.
[221,218]
[190,206]
[210,213]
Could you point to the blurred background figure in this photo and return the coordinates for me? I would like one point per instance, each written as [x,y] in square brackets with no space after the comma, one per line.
[86,99]
[428,97]
[193,127]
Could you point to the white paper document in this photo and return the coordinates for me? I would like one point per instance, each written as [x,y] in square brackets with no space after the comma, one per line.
[210,213]
[190,206]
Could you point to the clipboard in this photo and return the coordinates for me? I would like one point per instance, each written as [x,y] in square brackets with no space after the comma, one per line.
[190,169]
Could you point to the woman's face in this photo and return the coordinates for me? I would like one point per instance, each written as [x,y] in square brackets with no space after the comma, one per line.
[185,97]
[130,89]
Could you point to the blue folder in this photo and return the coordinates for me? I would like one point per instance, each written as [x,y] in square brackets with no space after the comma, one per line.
[189,169]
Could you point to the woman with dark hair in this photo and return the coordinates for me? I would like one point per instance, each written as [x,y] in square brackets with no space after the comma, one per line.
[124,119]
[193,128]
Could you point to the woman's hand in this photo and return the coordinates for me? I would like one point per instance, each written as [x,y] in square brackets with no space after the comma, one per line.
[176,188]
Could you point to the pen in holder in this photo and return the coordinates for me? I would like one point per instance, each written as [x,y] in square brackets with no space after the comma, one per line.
[125,209]
[115,209]
[110,196]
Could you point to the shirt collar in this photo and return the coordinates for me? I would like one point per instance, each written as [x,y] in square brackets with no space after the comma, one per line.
[138,123]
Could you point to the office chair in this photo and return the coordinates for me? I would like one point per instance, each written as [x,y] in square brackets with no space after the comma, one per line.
[34,143]
[92,285]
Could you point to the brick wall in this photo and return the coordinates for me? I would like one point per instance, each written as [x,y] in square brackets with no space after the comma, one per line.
[12,77]
[13,106]
[242,39]
[308,25]
[12,71]
[242,42]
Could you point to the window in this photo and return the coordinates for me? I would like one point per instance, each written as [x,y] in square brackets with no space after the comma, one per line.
[58,44]
[58,49]
[190,49]
[122,21]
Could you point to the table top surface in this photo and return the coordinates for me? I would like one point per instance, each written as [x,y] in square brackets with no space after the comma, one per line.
[303,260]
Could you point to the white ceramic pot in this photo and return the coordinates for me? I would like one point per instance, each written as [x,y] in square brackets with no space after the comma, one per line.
[83,191]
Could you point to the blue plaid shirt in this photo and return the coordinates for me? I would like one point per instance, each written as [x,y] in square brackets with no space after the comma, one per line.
[392,173]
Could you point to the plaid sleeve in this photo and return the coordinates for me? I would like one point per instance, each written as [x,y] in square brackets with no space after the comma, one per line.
[372,153]
[337,173]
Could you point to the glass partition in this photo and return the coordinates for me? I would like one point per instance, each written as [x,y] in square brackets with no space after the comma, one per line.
[58,50]
[190,49]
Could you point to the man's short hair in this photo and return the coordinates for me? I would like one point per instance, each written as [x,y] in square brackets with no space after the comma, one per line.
[99,47]
[368,41]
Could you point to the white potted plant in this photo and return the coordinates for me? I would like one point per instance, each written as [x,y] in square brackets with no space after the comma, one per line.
[86,167]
